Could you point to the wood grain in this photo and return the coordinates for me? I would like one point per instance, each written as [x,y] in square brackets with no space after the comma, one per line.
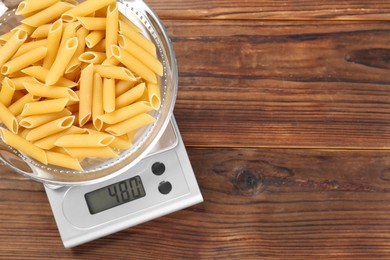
[258,203]
[273,10]
[283,84]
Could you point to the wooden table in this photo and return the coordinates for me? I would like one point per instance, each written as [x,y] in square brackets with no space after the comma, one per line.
[284,107]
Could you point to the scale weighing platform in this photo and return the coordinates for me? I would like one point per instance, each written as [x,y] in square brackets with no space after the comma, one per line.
[161,183]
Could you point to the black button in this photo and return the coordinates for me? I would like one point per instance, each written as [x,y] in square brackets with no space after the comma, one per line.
[165,187]
[158,168]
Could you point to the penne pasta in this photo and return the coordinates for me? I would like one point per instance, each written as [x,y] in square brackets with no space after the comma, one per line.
[29,6]
[129,23]
[8,119]
[97,104]
[83,152]
[24,60]
[63,160]
[108,95]
[11,46]
[42,31]
[26,47]
[17,107]
[136,37]
[7,91]
[112,23]
[121,143]
[38,120]
[62,60]
[44,107]
[86,87]
[87,140]
[40,73]
[84,9]
[130,96]
[18,82]
[47,143]
[115,72]
[22,145]
[154,95]
[53,41]
[93,23]
[93,38]
[51,91]
[75,63]
[48,14]
[50,128]
[133,64]
[146,58]
[93,57]
[123,85]
[112,61]
[125,113]
[130,125]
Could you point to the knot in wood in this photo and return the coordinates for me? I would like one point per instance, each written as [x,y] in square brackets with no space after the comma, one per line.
[249,182]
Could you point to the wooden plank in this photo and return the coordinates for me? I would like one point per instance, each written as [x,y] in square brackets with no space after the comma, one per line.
[273,10]
[283,84]
[269,203]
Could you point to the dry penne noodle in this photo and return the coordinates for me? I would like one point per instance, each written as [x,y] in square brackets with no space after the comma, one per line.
[93,23]
[109,95]
[136,37]
[154,95]
[93,38]
[8,119]
[53,40]
[44,107]
[51,91]
[63,160]
[75,62]
[124,85]
[126,112]
[145,57]
[129,23]
[24,60]
[115,72]
[86,87]
[17,107]
[22,145]
[83,152]
[26,47]
[101,46]
[130,125]
[112,61]
[62,60]
[130,96]
[93,57]
[50,128]
[133,64]
[86,140]
[29,6]
[48,14]
[40,73]
[112,23]
[7,91]
[47,143]
[37,120]
[5,37]
[121,143]
[97,98]
[84,9]
[42,31]
[11,46]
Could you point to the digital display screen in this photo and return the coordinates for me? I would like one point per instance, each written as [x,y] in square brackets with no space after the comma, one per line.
[115,194]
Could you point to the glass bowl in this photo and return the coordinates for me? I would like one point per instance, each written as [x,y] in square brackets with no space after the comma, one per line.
[96,170]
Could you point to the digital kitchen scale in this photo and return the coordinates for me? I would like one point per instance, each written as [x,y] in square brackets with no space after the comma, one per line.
[161,183]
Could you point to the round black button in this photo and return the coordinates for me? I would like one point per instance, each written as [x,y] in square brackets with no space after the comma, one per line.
[158,168]
[165,187]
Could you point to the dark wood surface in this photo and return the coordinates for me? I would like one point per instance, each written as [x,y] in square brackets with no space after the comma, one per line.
[284,107]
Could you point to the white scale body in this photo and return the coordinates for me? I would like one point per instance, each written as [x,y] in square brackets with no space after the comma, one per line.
[173,188]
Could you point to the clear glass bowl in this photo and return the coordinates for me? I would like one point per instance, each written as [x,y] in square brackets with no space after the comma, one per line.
[96,170]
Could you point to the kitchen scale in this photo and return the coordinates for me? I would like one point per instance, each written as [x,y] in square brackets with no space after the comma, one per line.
[161,183]
[95,204]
